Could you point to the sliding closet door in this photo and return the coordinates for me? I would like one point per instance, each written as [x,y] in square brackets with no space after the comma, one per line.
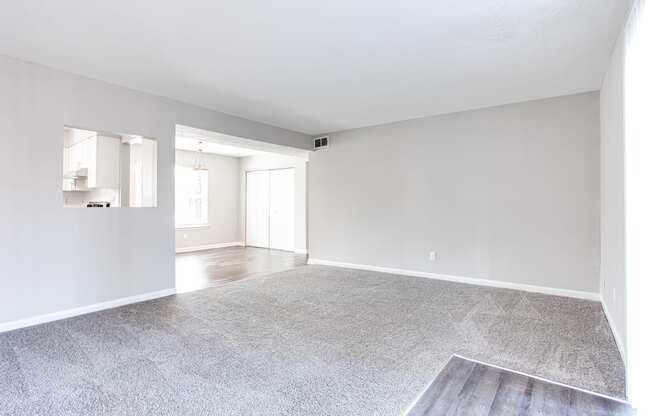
[281,209]
[257,226]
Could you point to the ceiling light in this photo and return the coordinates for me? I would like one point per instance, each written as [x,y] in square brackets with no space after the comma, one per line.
[199,160]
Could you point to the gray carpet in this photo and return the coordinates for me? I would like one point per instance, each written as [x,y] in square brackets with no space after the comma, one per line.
[311,341]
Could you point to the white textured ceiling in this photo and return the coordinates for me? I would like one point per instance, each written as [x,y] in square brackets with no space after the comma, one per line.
[320,66]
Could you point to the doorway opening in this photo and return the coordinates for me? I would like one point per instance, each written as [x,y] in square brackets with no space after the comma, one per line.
[240,208]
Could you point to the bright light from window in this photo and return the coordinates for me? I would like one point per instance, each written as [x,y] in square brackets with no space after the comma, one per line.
[638,202]
[191,197]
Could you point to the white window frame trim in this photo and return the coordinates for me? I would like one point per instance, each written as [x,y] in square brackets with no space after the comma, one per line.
[205,225]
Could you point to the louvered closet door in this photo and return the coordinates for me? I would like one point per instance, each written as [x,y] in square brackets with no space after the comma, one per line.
[257,226]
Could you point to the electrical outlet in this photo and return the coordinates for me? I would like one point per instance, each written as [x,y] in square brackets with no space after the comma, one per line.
[433,256]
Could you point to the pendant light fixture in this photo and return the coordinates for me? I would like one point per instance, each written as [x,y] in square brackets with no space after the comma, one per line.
[199,161]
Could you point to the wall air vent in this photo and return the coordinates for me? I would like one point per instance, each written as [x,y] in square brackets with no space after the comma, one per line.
[321,142]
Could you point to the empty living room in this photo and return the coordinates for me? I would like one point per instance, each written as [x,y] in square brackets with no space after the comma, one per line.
[325,207]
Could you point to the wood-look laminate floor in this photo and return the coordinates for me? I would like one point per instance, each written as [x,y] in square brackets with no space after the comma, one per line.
[466,387]
[208,268]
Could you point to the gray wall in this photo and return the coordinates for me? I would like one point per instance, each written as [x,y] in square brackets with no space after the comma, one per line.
[613,288]
[223,201]
[262,162]
[53,258]
[508,193]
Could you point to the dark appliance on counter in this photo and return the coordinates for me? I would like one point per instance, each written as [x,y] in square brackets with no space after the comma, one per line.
[98,204]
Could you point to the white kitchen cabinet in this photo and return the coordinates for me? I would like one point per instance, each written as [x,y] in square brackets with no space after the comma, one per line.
[99,157]
[105,173]
[77,158]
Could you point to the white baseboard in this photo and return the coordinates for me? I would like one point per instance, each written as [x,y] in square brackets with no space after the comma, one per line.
[619,341]
[461,279]
[69,313]
[301,251]
[209,247]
